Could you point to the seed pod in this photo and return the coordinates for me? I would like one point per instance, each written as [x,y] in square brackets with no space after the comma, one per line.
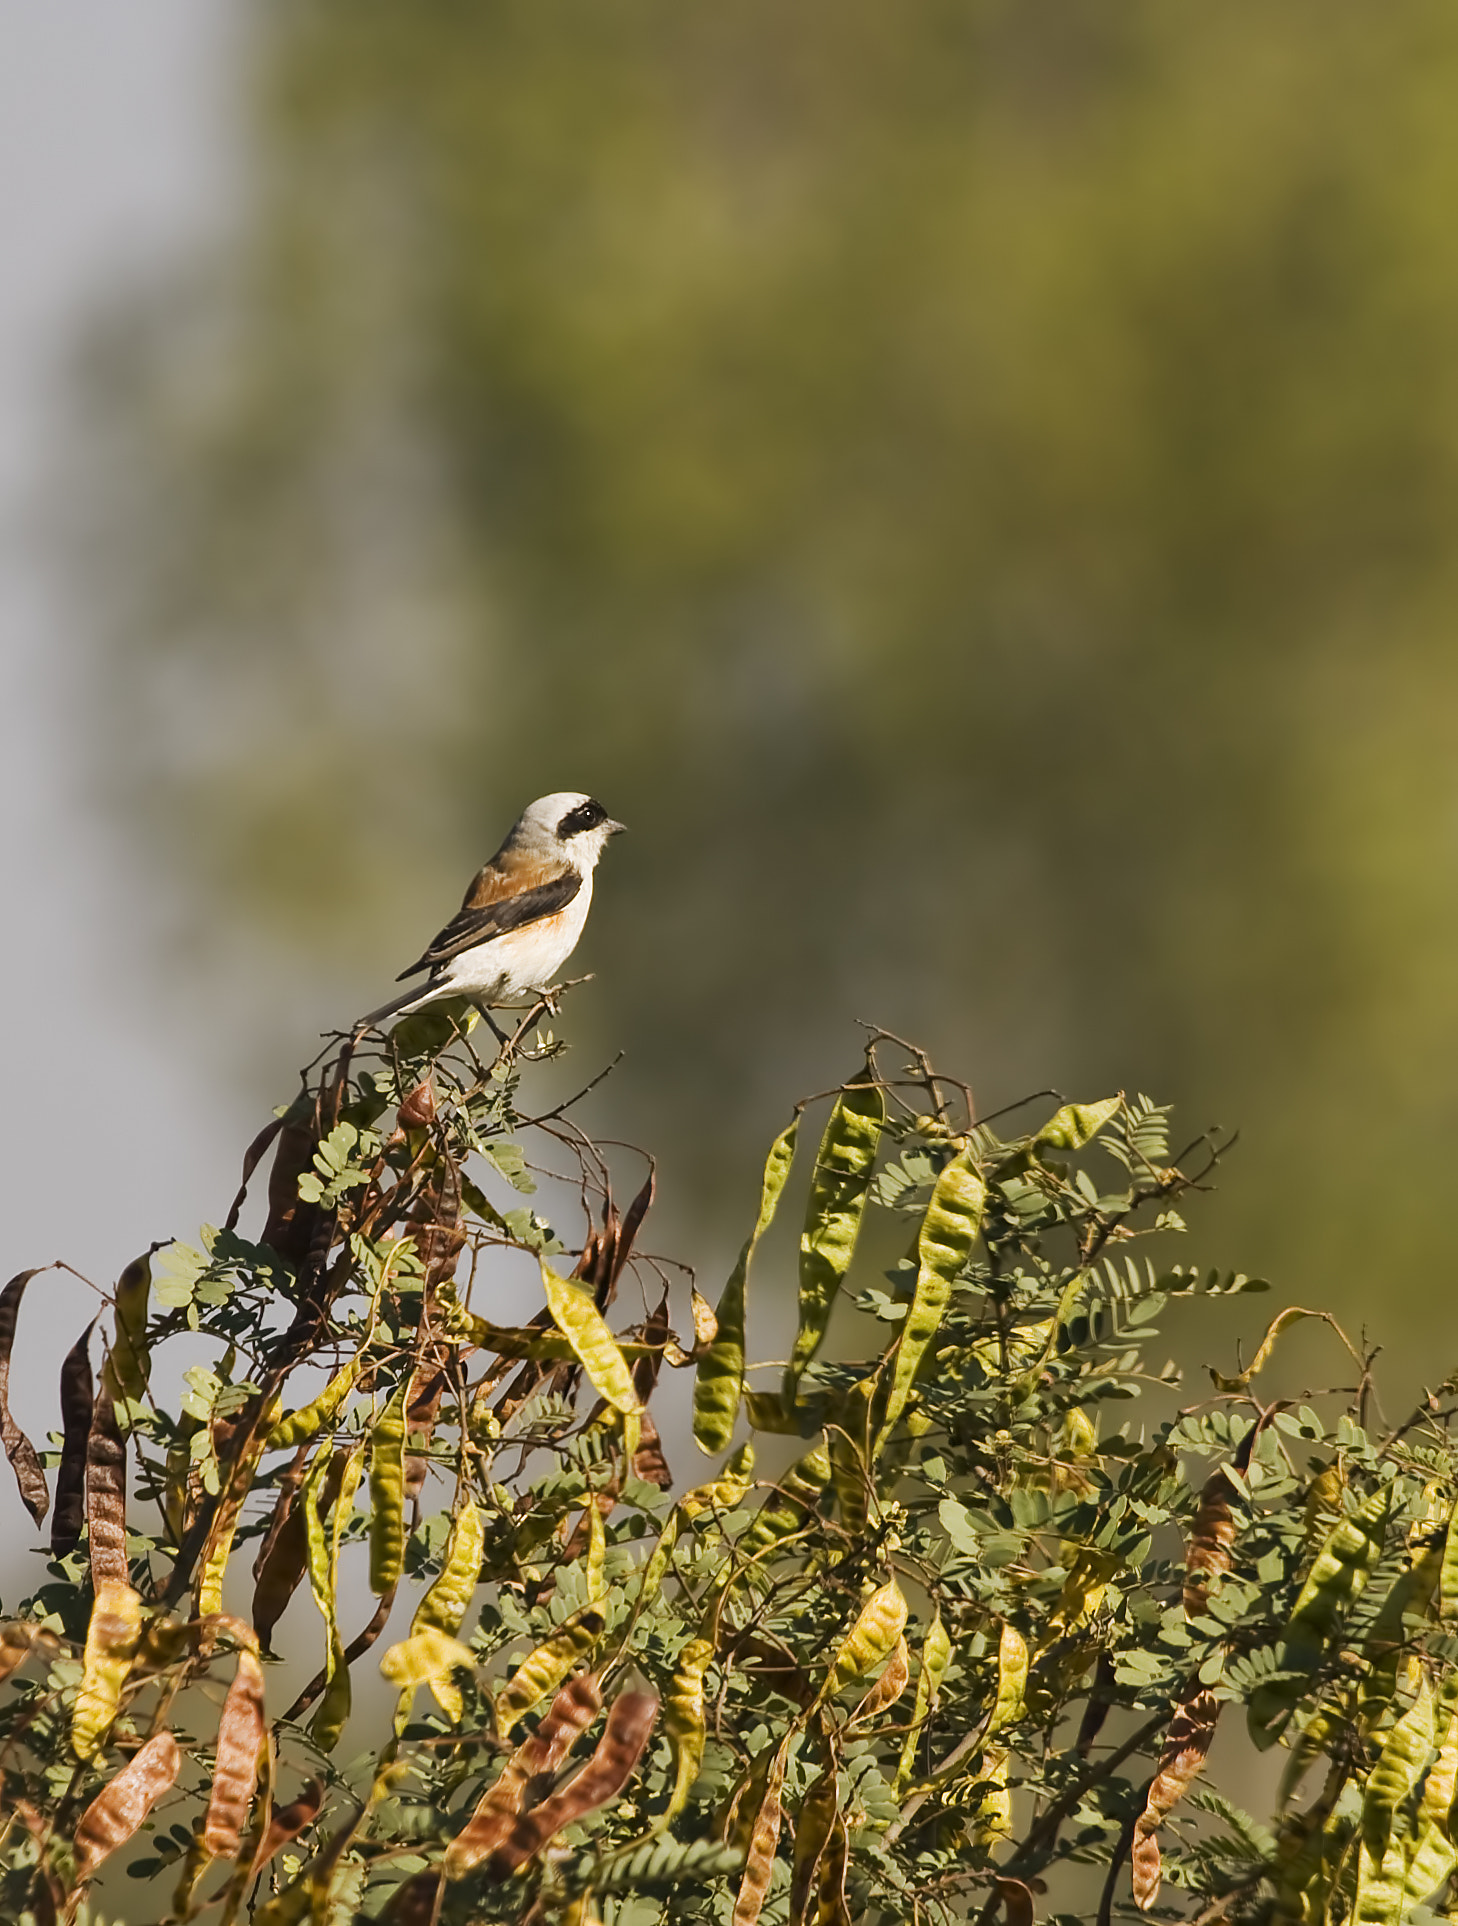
[129,1363]
[943,1245]
[936,1655]
[683,1720]
[106,1497]
[878,1626]
[428,1657]
[449,1598]
[764,1839]
[241,1734]
[77,1399]
[630,1722]
[287,1559]
[992,1818]
[213,1564]
[569,1715]
[1186,1744]
[311,1418]
[719,1379]
[1076,1124]
[24,1462]
[1399,1766]
[581,1323]
[786,1512]
[387,1493]
[888,1688]
[833,1215]
[418,1109]
[1012,1679]
[287,1822]
[544,1669]
[813,1826]
[725,1492]
[1212,1536]
[119,1808]
[16,1639]
[111,1646]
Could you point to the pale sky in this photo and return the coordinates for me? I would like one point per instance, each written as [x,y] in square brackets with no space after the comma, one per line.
[118,153]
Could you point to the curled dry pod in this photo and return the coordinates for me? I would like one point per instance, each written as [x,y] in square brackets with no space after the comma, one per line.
[111,1645]
[241,1733]
[569,1715]
[419,1107]
[287,1822]
[1186,1743]
[24,1462]
[764,1839]
[77,1399]
[629,1724]
[119,1808]
[1212,1536]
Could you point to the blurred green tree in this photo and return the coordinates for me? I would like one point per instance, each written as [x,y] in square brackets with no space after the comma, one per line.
[968,482]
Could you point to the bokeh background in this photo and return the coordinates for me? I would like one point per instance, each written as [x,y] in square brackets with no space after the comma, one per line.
[975,486]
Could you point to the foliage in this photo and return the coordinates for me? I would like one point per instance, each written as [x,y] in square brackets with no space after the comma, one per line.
[940,1637]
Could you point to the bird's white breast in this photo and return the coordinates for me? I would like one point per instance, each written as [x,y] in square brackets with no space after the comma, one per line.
[524,959]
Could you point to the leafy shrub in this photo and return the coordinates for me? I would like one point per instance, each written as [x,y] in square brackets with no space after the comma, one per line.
[939,1638]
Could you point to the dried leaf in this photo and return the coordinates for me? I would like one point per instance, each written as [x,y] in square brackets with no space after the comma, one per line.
[24,1461]
[119,1808]
[1017,1901]
[241,1733]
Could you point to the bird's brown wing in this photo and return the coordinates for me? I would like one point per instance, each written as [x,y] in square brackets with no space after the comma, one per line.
[487,913]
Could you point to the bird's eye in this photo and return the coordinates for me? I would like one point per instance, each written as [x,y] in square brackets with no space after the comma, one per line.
[585,816]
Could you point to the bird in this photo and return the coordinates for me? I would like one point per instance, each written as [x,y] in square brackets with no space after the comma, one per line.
[522,916]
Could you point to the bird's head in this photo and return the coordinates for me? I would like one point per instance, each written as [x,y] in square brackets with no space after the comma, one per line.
[567,825]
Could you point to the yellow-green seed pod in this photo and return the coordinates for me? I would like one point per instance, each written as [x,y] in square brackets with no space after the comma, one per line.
[428,1657]
[792,1504]
[727,1491]
[1399,1764]
[719,1379]
[833,1215]
[129,1363]
[873,1637]
[655,1567]
[683,1720]
[943,1245]
[448,1600]
[387,1493]
[992,1818]
[1448,1582]
[596,1551]
[544,1669]
[936,1655]
[111,1645]
[581,1323]
[311,1418]
[1012,1679]
[1076,1124]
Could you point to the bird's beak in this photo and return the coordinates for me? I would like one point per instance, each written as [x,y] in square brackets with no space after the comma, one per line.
[614,829]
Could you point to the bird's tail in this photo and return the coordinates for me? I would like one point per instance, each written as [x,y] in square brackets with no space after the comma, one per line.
[403,1005]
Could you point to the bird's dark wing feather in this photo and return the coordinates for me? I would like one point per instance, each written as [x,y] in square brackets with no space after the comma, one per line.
[472,926]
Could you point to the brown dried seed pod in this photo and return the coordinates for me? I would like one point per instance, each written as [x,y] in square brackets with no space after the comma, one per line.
[31,1480]
[287,1822]
[1212,1537]
[119,1808]
[629,1722]
[570,1713]
[241,1733]
[419,1107]
[78,1397]
[1186,1743]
